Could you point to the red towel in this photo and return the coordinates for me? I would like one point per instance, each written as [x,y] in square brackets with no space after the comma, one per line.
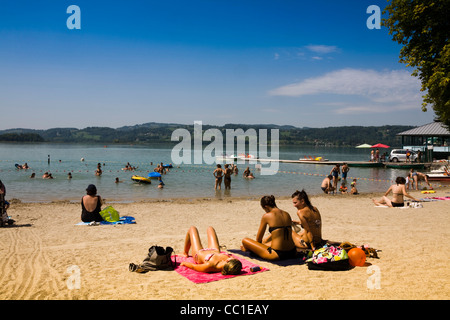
[202,277]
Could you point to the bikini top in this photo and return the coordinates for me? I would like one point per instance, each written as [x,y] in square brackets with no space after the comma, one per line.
[210,255]
[286,230]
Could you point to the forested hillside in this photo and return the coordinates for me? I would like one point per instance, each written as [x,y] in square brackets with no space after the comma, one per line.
[162,132]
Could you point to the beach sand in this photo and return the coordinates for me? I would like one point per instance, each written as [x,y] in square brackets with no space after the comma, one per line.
[36,254]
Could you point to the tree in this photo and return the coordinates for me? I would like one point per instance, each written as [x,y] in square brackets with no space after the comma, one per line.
[423,27]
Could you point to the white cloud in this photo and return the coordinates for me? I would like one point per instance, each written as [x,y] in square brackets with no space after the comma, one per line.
[322,49]
[382,87]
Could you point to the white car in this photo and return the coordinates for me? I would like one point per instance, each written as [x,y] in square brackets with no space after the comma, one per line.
[400,155]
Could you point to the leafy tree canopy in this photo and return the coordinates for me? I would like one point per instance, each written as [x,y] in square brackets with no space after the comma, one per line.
[423,27]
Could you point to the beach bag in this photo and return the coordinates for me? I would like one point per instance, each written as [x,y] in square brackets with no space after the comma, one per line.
[328,258]
[110,214]
[415,205]
[158,258]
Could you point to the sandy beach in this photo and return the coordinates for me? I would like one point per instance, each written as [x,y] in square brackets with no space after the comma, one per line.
[37,253]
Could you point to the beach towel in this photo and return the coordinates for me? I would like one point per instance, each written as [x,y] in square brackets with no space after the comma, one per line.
[202,277]
[122,220]
[438,198]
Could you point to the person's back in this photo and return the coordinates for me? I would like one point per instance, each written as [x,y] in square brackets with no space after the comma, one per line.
[314,222]
[90,202]
[91,205]
[310,220]
[280,227]
[397,192]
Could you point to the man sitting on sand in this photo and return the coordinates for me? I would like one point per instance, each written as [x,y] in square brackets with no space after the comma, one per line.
[327,184]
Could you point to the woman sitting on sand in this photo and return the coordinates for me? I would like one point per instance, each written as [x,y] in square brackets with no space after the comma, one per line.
[209,259]
[279,245]
[398,191]
[310,220]
[91,205]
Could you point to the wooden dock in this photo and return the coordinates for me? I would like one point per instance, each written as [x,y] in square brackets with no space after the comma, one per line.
[360,164]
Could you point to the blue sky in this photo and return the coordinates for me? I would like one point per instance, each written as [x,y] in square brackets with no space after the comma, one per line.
[301,63]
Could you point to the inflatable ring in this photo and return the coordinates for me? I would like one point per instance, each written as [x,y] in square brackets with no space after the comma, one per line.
[428,191]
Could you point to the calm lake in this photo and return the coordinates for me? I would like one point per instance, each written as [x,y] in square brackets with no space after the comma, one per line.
[183,180]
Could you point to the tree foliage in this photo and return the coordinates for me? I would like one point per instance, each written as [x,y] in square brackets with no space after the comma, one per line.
[21,137]
[423,27]
[151,133]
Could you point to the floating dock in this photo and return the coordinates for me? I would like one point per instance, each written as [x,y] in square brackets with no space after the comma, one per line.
[361,164]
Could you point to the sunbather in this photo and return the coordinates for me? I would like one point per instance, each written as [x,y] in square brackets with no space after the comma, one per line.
[91,205]
[398,191]
[209,259]
[279,245]
[310,220]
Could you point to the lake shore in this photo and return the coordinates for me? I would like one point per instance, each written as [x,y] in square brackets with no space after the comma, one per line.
[38,252]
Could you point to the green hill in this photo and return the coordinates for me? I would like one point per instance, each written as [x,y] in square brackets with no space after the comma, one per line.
[151,133]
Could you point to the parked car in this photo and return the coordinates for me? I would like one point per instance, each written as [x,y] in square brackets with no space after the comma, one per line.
[400,155]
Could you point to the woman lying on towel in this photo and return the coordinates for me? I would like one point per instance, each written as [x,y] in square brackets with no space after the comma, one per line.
[398,191]
[209,259]
[279,245]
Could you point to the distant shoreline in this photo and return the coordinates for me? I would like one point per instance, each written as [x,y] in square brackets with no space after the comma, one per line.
[161,133]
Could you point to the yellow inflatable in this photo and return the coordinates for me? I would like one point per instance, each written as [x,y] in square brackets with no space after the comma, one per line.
[428,191]
[141,179]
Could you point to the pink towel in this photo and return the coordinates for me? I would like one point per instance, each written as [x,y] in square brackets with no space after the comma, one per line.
[202,277]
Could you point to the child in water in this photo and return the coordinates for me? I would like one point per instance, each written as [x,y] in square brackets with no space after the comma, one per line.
[353,185]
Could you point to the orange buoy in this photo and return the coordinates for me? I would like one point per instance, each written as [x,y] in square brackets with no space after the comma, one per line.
[357,257]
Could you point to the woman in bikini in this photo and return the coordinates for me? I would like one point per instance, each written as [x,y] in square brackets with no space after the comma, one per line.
[398,191]
[209,259]
[418,176]
[279,245]
[311,235]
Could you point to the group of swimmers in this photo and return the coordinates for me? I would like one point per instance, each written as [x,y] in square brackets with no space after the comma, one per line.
[226,173]
[129,167]
[329,184]
[23,166]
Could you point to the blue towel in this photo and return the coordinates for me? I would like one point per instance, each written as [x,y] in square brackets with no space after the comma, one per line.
[122,220]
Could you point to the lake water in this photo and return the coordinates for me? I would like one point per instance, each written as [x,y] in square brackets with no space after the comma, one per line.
[183,181]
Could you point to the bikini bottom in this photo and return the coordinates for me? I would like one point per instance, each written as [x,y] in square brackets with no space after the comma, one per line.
[398,204]
[284,254]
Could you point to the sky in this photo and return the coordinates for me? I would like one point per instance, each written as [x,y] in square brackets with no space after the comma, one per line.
[118,63]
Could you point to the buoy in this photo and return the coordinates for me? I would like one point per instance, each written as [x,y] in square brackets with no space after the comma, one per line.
[356,257]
